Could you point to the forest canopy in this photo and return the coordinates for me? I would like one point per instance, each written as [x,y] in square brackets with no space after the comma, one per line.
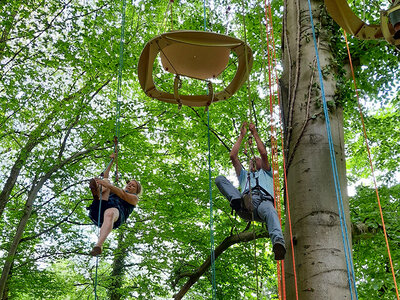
[58,90]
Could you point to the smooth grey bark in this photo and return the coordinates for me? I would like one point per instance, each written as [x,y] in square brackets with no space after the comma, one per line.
[318,245]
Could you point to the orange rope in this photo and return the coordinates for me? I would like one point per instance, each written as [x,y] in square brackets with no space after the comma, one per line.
[269,25]
[284,162]
[275,164]
[371,165]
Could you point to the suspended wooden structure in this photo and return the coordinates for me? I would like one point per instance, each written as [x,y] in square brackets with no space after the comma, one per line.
[196,54]
[389,28]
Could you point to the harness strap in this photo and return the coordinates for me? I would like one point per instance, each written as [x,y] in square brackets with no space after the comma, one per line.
[257,186]
[262,189]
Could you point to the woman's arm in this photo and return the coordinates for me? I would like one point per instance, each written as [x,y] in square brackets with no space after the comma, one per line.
[130,198]
[106,173]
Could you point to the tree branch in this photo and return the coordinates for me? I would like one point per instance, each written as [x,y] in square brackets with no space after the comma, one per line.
[226,243]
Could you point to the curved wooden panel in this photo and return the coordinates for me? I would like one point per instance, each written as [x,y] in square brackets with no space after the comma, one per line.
[196,54]
[343,15]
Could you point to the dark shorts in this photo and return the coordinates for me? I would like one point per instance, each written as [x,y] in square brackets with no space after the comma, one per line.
[94,212]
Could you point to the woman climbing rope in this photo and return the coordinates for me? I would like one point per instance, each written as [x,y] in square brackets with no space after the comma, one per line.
[115,206]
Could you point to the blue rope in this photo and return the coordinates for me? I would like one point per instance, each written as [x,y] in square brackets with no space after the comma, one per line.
[346,244]
[117,122]
[214,288]
[120,65]
[204,15]
[212,256]
[97,257]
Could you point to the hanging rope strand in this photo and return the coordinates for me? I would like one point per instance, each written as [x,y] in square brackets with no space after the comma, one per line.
[251,160]
[274,149]
[214,289]
[161,28]
[250,145]
[283,148]
[247,64]
[117,125]
[212,246]
[371,165]
[283,157]
[119,88]
[347,249]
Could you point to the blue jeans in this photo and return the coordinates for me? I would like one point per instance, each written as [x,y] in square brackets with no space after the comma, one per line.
[263,208]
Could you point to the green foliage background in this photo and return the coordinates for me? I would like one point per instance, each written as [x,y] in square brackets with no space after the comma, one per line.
[59,62]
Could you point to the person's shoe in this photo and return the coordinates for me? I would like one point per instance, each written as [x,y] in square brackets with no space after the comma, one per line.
[236,204]
[96,251]
[279,251]
[94,189]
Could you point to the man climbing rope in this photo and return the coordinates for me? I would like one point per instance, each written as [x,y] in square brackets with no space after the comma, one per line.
[261,188]
[116,204]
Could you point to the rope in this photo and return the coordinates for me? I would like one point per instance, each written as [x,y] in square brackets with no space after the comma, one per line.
[252,161]
[347,249]
[120,66]
[161,27]
[274,148]
[214,289]
[97,257]
[250,146]
[269,18]
[212,246]
[117,125]
[282,145]
[172,15]
[247,64]
[371,165]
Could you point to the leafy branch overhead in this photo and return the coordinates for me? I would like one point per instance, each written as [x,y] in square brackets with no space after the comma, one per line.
[58,95]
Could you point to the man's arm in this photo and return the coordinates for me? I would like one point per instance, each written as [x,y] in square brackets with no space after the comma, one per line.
[265,165]
[130,198]
[233,155]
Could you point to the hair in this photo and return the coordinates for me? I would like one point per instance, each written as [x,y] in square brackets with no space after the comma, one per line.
[139,190]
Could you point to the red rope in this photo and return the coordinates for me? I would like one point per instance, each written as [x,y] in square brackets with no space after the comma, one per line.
[269,30]
[371,165]
[274,158]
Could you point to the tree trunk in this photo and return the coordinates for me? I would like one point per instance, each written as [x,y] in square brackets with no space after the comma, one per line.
[318,245]
[36,186]
[118,268]
[17,237]
[34,139]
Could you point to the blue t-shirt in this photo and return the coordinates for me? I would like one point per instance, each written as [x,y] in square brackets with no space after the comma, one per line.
[265,180]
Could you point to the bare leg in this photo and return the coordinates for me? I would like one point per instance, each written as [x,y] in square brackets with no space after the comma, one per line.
[111,215]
